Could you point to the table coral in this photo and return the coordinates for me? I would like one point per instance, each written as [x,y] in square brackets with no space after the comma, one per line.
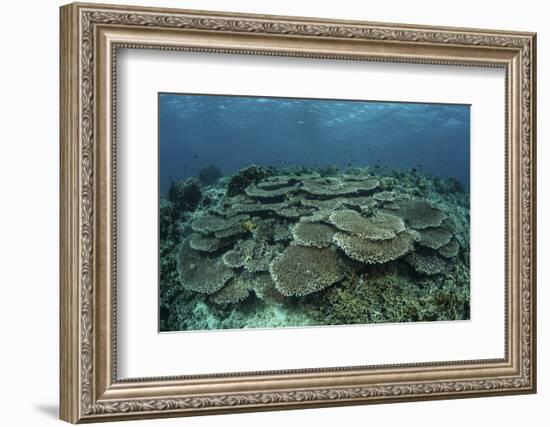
[301,270]
[291,238]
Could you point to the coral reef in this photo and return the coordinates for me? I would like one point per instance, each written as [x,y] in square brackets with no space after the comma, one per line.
[450,249]
[248,225]
[185,195]
[380,226]
[208,243]
[237,289]
[209,175]
[389,295]
[434,237]
[426,264]
[374,251]
[243,178]
[233,259]
[420,213]
[301,270]
[265,289]
[312,234]
[313,246]
[201,273]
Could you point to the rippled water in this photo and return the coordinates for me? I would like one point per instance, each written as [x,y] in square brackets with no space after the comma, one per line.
[232,132]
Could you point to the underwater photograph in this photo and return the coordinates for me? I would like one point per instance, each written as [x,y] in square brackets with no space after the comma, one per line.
[297,212]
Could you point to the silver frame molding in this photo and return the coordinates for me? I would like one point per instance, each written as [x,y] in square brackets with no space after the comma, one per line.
[90,37]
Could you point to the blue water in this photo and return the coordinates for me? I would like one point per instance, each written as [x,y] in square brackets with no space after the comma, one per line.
[232,132]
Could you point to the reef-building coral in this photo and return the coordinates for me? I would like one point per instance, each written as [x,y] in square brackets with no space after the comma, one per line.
[277,193]
[313,234]
[236,289]
[331,186]
[274,237]
[209,175]
[374,251]
[201,273]
[265,289]
[248,225]
[214,223]
[384,196]
[208,243]
[185,195]
[450,249]
[426,264]
[434,237]
[380,226]
[301,270]
[245,177]
[420,213]
[233,259]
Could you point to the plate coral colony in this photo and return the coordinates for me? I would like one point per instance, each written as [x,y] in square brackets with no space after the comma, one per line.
[282,212]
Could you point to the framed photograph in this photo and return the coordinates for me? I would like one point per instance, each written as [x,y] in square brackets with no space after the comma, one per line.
[266,212]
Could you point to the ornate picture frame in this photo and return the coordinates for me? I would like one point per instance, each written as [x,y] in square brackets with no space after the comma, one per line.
[90,37]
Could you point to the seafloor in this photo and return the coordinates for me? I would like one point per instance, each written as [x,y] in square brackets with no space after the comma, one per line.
[297,246]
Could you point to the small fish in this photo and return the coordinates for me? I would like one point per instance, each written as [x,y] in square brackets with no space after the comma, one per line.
[195,156]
